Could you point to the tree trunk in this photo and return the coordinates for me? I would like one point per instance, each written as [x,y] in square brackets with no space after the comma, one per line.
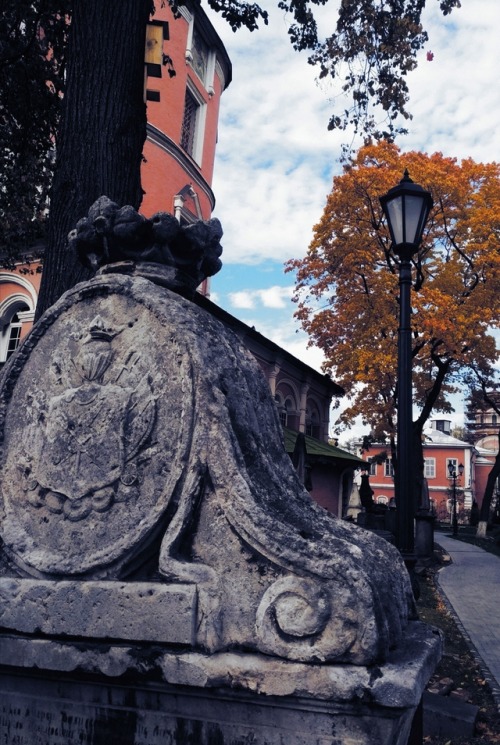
[484,514]
[102,131]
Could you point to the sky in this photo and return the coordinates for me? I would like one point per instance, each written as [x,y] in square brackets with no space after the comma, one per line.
[275,158]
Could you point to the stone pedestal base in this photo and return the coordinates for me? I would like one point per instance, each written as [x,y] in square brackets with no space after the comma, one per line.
[62,692]
[66,711]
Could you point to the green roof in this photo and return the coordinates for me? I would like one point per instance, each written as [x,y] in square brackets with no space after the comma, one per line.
[319,448]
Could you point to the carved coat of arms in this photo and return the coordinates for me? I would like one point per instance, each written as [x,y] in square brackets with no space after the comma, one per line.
[95,437]
[91,433]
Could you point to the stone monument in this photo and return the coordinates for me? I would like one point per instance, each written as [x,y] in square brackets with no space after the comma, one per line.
[164,575]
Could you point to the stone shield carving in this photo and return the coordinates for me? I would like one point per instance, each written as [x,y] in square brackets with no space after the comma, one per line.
[140,438]
[95,435]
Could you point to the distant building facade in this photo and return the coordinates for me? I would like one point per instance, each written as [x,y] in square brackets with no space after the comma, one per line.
[440,449]
[18,297]
[484,427]
[183,111]
[179,152]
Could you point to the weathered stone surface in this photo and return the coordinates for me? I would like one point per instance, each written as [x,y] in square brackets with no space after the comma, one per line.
[397,684]
[164,576]
[71,711]
[186,254]
[144,611]
[151,447]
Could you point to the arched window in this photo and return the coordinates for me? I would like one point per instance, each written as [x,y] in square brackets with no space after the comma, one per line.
[14,335]
[10,328]
[287,405]
[16,308]
[494,419]
[312,420]
[285,411]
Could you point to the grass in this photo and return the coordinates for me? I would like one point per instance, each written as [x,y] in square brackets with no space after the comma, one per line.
[458,673]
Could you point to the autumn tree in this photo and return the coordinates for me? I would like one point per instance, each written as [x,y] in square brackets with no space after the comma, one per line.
[96,60]
[347,285]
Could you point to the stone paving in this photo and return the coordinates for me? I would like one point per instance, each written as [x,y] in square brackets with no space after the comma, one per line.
[471,584]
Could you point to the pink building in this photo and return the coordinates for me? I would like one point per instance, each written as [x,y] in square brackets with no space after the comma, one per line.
[440,450]
[485,426]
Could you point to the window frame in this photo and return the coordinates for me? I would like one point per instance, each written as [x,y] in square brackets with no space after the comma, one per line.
[430,468]
[198,135]
[16,305]
[388,468]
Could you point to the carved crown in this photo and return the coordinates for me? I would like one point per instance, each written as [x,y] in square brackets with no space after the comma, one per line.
[178,256]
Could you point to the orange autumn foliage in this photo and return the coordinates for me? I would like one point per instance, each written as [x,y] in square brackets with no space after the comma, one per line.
[347,285]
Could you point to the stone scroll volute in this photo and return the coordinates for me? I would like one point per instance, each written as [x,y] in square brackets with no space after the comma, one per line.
[150,446]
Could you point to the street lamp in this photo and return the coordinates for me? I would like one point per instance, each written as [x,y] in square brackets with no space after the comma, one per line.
[455,476]
[406,208]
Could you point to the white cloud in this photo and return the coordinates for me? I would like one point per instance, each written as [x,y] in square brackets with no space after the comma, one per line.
[242,299]
[271,297]
[276,297]
[276,159]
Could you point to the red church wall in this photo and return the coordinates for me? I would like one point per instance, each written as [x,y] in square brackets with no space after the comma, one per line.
[168,168]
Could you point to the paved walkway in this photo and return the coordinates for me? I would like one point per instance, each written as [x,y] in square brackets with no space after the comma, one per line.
[471,584]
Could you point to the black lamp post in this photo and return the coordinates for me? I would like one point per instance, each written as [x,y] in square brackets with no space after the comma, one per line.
[454,476]
[406,208]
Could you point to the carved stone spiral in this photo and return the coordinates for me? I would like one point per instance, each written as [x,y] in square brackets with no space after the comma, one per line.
[295,620]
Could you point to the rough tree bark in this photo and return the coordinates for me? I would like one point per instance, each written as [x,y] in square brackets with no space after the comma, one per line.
[103,127]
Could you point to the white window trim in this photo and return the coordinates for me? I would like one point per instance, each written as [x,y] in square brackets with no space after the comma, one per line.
[209,82]
[388,468]
[8,309]
[189,18]
[431,463]
[199,130]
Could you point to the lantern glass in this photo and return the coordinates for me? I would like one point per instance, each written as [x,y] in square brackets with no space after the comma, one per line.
[406,207]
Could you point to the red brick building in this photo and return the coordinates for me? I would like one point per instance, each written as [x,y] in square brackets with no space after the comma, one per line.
[440,449]
[179,153]
[18,298]
[183,112]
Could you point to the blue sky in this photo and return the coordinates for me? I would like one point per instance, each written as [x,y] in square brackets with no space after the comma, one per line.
[275,158]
